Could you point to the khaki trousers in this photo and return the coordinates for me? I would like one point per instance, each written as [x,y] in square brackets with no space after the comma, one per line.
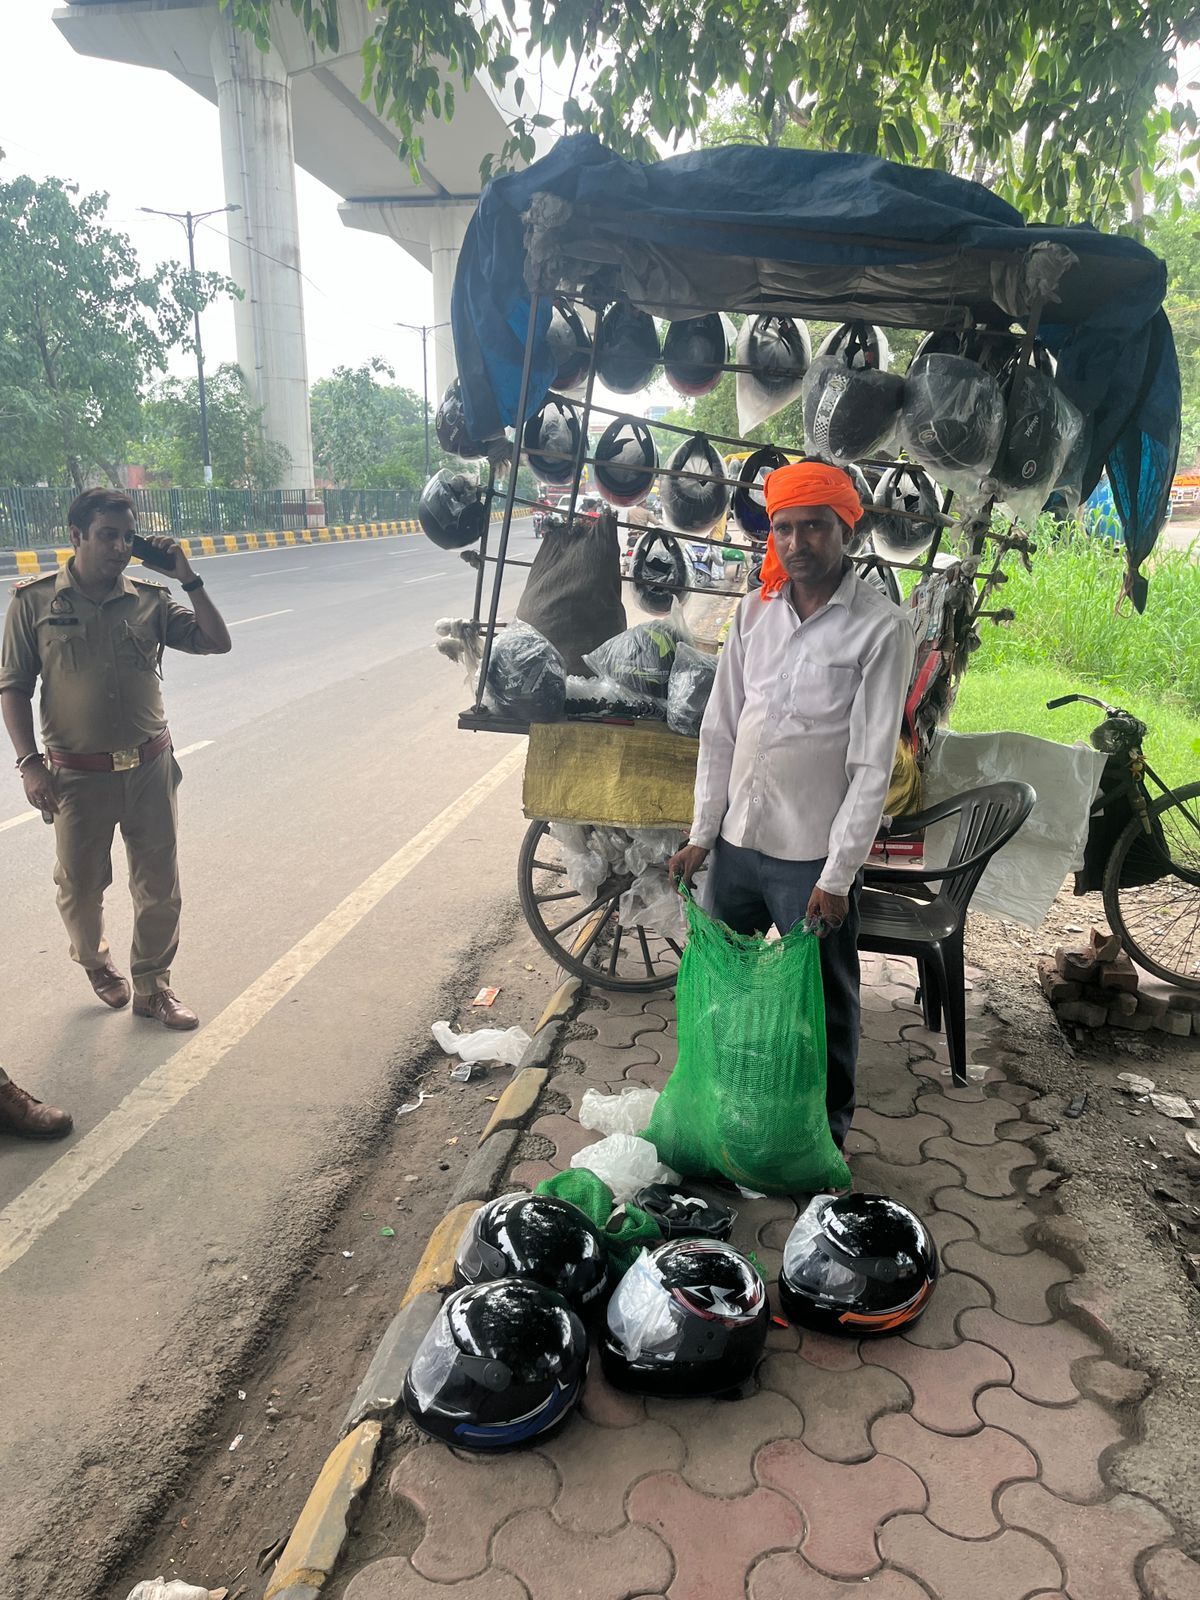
[142,804]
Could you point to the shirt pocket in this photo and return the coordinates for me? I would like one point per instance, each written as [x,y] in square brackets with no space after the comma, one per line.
[822,695]
[61,650]
[137,647]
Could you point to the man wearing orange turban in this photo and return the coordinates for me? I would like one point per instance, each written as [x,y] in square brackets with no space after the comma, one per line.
[797,746]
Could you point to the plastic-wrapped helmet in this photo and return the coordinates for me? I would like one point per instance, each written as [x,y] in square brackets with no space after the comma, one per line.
[953,415]
[535,1236]
[1030,451]
[626,460]
[570,346]
[857,1264]
[502,1364]
[628,348]
[453,509]
[749,499]
[695,351]
[659,571]
[694,504]
[990,348]
[527,677]
[683,1214]
[450,425]
[904,489]
[778,351]
[689,1318]
[849,412]
[552,440]
[858,344]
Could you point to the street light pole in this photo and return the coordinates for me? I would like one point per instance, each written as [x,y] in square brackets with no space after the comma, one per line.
[424,329]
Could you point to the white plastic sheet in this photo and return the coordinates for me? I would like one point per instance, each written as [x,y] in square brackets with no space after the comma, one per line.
[167,1589]
[625,1163]
[485,1044]
[627,1112]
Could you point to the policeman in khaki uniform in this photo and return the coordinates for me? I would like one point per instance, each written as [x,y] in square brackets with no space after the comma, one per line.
[95,636]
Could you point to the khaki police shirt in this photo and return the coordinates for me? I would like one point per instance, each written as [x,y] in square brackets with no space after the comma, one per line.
[98,660]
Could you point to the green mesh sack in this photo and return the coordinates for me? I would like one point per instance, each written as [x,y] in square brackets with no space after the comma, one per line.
[747,1098]
[583,1189]
[626,1231]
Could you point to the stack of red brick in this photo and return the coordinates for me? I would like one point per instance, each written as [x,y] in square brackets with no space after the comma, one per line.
[1096,985]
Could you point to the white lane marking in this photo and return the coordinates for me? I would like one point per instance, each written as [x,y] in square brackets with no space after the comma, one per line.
[271,574]
[32,816]
[26,1218]
[425,578]
[262,617]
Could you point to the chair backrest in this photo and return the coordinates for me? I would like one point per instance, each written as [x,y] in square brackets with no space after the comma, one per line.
[987,819]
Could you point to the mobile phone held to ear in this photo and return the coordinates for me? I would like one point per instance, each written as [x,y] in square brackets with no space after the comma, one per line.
[150,555]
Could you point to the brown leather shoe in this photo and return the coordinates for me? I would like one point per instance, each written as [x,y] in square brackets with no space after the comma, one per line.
[108,983]
[28,1118]
[163,1007]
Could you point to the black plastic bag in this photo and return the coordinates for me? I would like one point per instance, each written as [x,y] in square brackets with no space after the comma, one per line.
[690,684]
[526,679]
[641,658]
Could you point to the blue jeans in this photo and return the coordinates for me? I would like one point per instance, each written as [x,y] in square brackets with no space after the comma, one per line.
[750,892]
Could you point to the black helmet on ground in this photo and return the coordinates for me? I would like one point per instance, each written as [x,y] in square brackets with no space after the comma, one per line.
[778,351]
[857,1265]
[628,348]
[689,1318]
[858,345]
[659,571]
[453,509]
[849,411]
[904,489]
[570,346]
[681,1213]
[552,440]
[502,1364]
[749,500]
[626,462]
[535,1236]
[694,504]
[450,425]
[953,415]
[695,351]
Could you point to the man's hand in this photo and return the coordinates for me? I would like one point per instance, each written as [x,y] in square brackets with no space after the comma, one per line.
[39,786]
[685,864]
[826,912]
[182,571]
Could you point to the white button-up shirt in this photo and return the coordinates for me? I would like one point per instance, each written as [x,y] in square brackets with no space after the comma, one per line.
[799,738]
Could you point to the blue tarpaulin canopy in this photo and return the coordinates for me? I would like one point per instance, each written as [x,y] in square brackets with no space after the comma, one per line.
[828,236]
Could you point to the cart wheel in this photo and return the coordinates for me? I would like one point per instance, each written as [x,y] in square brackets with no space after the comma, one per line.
[588,938]
[1159,922]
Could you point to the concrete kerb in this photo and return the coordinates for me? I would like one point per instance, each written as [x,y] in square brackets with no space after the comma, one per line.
[320,1532]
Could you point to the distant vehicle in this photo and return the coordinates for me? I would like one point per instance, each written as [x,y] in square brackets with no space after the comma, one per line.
[587,505]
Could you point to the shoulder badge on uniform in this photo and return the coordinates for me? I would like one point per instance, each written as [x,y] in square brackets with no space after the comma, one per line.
[146,583]
[27,583]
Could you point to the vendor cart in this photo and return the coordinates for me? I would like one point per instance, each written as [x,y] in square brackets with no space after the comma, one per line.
[752,231]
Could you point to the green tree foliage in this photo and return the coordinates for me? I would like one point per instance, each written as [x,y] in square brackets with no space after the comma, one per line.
[169,442]
[368,432]
[1035,99]
[82,329]
[1175,234]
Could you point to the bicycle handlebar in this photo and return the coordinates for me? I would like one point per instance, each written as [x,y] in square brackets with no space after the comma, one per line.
[1086,699]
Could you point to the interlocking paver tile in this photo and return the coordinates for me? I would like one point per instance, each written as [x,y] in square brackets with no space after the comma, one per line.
[899,1139]
[835,1355]
[1170,1575]
[843,1505]
[944,1383]
[1024,1129]
[937,1328]
[1009,1567]
[1067,1440]
[660,1008]
[783,1337]
[1019,1284]
[664,1045]
[393,1578]
[1114,1385]
[528,1174]
[1040,1356]
[1000,1224]
[889,1095]
[1017,1094]
[944,1227]
[611,1408]
[936,1071]
[617,1030]
[722,1437]
[653,1074]
[880,1024]
[464,1500]
[960,1473]
[986,1169]
[597,1465]
[555,1564]
[971,1121]
[857,1144]
[567,1136]
[755,1216]
[789,1577]
[912,1186]
[1097,1545]
[838,1407]
[715,1542]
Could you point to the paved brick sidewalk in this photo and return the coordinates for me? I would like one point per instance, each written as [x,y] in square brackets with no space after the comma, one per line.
[963,1460]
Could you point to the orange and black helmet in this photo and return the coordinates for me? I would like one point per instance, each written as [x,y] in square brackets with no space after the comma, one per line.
[857,1265]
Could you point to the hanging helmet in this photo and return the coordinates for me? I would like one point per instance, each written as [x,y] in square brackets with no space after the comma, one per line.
[453,509]
[864,487]
[501,1365]
[659,571]
[904,489]
[570,346]
[849,411]
[695,351]
[536,1236]
[857,1264]
[693,504]
[682,1214]
[626,461]
[526,678]
[1030,449]
[953,415]
[450,425]
[552,440]
[777,351]
[628,348]
[689,1318]
[858,344]
[989,348]
[749,498]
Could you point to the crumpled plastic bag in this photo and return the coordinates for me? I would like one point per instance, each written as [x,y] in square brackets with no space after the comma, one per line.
[688,689]
[162,1589]
[642,1314]
[641,658]
[652,901]
[584,862]
[627,1112]
[604,697]
[625,1163]
[527,678]
[485,1044]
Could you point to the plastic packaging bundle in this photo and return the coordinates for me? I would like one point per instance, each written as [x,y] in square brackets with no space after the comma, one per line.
[641,658]
[625,1163]
[584,860]
[690,684]
[603,697]
[778,350]
[526,679]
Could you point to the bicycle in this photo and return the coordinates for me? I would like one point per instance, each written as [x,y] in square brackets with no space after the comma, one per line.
[1143,851]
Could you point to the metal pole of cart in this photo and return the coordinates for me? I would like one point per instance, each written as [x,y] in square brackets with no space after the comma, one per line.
[483,539]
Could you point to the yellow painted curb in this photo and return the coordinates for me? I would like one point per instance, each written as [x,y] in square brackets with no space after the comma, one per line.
[320,1532]
[27,563]
[207,545]
[559,1003]
[435,1270]
[517,1101]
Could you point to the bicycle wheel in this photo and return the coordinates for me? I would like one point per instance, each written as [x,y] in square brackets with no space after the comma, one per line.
[1159,922]
[587,938]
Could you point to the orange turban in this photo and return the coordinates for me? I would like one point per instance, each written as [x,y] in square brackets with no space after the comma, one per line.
[804,483]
